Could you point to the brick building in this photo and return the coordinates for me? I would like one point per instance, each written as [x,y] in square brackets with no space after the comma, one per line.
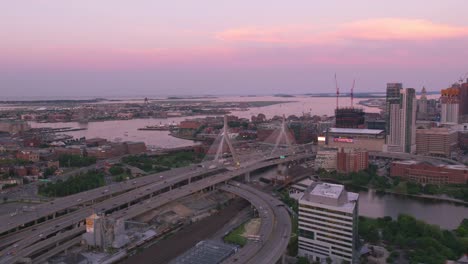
[28,155]
[429,174]
[352,160]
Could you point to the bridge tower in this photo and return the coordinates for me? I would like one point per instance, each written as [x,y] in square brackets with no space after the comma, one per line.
[225,141]
[283,136]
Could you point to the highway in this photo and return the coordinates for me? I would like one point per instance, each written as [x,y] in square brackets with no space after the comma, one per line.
[275,229]
[9,222]
[127,205]
[407,156]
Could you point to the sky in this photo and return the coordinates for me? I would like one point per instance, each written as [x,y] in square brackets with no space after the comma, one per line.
[214,47]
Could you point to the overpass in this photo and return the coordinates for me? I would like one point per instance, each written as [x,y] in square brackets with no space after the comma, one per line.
[37,240]
[407,156]
[275,229]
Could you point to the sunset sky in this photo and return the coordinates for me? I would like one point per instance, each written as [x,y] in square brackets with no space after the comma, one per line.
[153,47]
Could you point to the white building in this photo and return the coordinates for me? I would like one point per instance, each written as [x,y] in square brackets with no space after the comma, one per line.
[326,159]
[401,134]
[328,223]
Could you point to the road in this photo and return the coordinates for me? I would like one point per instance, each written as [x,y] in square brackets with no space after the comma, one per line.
[275,229]
[124,206]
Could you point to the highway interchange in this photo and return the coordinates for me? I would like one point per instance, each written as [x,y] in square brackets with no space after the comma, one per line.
[119,201]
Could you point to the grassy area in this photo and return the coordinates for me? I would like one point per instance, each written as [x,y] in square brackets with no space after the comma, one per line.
[235,236]
[72,185]
[164,162]
[420,242]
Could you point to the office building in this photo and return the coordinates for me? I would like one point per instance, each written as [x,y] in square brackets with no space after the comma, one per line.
[328,223]
[436,142]
[351,160]
[421,112]
[401,136]
[392,97]
[450,105]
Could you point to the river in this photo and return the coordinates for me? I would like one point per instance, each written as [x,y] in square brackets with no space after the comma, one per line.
[447,215]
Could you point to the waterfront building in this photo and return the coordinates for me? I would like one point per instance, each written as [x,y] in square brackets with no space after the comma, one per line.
[401,133]
[352,160]
[367,139]
[424,173]
[436,141]
[328,223]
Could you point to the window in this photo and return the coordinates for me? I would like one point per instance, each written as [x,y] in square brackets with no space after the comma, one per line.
[306,234]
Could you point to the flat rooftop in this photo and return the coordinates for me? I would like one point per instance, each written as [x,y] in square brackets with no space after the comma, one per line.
[356,131]
[328,190]
[206,252]
[330,194]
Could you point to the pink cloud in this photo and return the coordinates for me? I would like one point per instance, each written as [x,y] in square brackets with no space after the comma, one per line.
[371,29]
[400,29]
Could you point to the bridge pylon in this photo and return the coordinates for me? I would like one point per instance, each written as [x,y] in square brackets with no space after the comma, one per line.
[225,144]
[283,136]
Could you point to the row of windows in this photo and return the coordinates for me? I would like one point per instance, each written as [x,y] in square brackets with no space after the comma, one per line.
[325,210]
[341,255]
[305,210]
[346,240]
[313,244]
[332,242]
[306,233]
[321,224]
[322,220]
[314,249]
[342,250]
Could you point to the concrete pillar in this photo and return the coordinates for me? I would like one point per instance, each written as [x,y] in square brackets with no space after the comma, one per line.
[247,177]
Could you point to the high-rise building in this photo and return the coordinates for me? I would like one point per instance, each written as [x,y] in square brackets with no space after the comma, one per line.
[393,97]
[401,136]
[328,223]
[421,112]
[450,104]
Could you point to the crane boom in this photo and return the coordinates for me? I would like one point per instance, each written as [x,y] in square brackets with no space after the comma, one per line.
[337,91]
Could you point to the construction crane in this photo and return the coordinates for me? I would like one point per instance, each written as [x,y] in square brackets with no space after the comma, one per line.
[463,78]
[337,91]
[352,93]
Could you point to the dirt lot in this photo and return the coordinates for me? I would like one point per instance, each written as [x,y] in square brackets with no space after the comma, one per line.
[171,247]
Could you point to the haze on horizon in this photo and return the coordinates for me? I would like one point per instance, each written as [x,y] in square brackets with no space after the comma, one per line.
[117,48]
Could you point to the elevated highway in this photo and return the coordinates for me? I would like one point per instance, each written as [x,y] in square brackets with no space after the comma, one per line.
[125,206]
[407,156]
[275,229]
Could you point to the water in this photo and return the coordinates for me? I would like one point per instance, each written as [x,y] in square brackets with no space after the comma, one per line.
[444,214]
[127,130]
[124,130]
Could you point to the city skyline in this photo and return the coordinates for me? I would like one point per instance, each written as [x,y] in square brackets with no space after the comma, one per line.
[118,48]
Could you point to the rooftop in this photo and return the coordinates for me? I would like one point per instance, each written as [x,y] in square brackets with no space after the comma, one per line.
[328,190]
[331,195]
[206,251]
[356,131]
